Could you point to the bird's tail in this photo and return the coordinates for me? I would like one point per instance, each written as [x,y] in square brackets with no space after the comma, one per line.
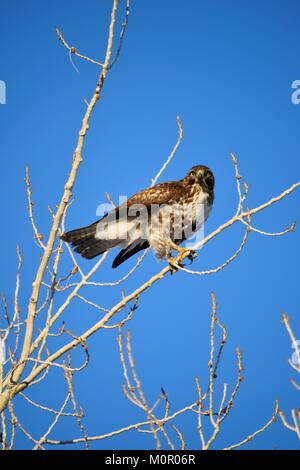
[84,242]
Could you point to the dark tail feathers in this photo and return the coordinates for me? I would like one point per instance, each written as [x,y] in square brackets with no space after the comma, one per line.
[84,242]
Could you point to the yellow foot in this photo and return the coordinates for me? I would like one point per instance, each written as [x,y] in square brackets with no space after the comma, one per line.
[182,253]
[186,253]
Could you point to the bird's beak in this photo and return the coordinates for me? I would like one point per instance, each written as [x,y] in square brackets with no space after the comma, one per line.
[200,179]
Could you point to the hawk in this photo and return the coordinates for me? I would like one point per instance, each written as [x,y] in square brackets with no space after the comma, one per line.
[160,217]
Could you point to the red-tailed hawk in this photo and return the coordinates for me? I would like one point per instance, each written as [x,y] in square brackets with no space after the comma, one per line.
[162,217]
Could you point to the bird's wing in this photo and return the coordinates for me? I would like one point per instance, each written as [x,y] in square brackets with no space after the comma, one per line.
[129,251]
[162,193]
[119,221]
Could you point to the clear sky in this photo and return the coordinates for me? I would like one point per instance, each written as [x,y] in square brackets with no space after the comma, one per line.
[226,67]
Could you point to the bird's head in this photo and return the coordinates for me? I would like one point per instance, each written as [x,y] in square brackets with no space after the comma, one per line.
[203,176]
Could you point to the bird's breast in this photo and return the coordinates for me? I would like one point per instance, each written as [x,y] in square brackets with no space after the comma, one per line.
[197,209]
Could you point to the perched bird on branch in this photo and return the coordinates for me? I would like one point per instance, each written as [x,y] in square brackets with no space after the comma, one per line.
[160,217]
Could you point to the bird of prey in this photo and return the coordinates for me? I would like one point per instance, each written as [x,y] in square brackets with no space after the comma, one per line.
[160,217]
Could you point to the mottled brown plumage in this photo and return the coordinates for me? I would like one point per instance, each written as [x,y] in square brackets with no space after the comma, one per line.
[158,204]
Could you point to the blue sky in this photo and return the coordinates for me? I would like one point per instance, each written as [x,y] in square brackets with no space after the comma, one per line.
[226,67]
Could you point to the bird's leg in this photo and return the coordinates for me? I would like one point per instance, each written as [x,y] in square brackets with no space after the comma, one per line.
[184,252]
[173,263]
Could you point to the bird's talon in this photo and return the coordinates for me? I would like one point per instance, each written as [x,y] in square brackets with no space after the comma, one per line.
[172,266]
[173,269]
[192,255]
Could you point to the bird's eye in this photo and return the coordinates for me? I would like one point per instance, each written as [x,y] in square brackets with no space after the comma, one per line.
[192,173]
